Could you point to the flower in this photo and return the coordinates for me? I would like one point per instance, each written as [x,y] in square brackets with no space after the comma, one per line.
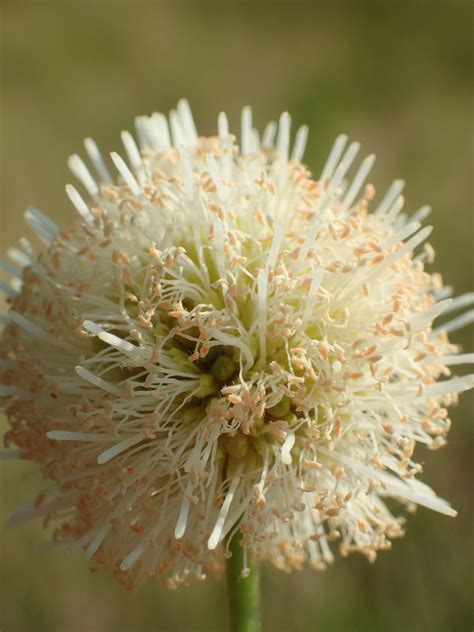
[221,343]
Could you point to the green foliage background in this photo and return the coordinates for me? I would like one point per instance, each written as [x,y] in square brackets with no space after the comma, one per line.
[395,75]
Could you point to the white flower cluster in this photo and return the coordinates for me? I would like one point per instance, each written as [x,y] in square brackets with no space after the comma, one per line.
[222,343]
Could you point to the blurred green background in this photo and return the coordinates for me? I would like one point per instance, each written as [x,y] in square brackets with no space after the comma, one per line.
[394,75]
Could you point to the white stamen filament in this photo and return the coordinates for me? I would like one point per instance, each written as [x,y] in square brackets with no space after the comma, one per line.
[456,323]
[311,298]
[357,183]
[79,203]
[300,143]
[246,129]
[97,160]
[219,526]
[261,311]
[183,513]
[66,435]
[111,453]
[269,135]
[421,214]
[95,380]
[392,194]
[286,448]
[333,158]
[465,300]
[455,385]
[97,541]
[133,154]
[126,173]
[82,173]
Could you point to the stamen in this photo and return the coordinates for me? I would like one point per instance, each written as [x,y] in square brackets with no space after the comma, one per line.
[97,381]
[357,183]
[97,160]
[187,172]
[111,453]
[133,155]
[97,541]
[421,214]
[300,143]
[18,257]
[183,513]
[311,299]
[177,133]
[456,323]
[455,385]
[402,234]
[419,321]
[223,126]
[269,135]
[261,312]
[82,173]
[79,203]
[333,158]
[392,194]
[246,129]
[65,435]
[283,139]
[216,534]
[188,122]
[37,222]
[126,173]
[465,300]
[160,131]
[449,360]
[286,448]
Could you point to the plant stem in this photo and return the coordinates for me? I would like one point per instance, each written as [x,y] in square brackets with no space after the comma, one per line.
[244,593]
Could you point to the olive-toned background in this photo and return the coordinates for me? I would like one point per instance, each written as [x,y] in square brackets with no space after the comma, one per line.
[394,75]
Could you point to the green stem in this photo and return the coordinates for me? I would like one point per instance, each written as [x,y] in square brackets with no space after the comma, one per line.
[244,593]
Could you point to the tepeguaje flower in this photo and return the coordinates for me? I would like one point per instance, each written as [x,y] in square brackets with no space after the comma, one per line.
[221,342]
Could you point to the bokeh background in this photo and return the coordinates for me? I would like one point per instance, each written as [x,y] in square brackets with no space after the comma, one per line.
[395,75]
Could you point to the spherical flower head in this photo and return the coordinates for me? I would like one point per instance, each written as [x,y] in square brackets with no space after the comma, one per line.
[222,343]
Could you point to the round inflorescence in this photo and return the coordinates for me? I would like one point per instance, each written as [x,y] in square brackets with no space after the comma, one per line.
[222,343]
